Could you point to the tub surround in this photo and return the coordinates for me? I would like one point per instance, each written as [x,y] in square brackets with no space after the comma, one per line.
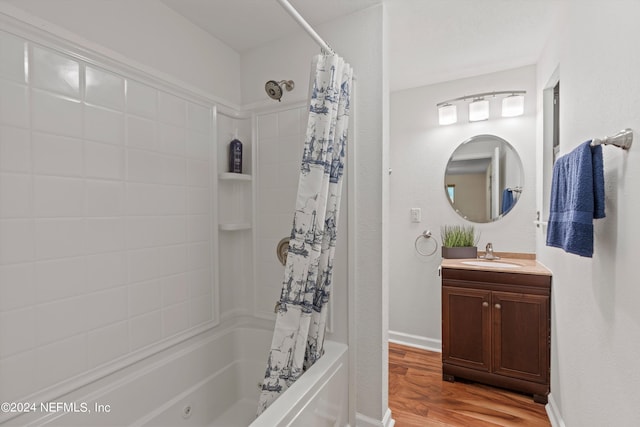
[213,382]
[106,248]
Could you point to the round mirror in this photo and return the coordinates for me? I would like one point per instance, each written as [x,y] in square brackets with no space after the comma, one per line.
[483,179]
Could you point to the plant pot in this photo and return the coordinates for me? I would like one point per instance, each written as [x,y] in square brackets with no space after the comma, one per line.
[460,252]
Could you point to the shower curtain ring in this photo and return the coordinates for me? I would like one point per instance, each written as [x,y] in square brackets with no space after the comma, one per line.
[326,51]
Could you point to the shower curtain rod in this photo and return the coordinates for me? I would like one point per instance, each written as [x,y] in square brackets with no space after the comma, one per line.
[305,25]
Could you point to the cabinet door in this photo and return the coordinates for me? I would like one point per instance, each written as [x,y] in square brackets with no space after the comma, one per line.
[521,335]
[466,327]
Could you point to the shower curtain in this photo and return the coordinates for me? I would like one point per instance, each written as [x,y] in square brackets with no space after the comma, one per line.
[298,337]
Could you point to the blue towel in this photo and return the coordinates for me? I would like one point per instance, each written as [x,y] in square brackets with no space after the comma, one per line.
[507,201]
[577,197]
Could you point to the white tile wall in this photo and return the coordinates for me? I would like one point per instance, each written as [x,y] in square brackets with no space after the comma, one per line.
[103,160]
[105,216]
[60,360]
[59,319]
[106,270]
[103,88]
[55,72]
[58,197]
[15,195]
[56,115]
[12,64]
[59,278]
[16,241]
[175,319]
[144,297]
[104,198]
[58,238]
[198,118]
[198,280]
[141,100]
[200,309]
[104,235]
[15,149]
[105,308]
[280,143]
[173,289]
[145,330]
[103,125]
[16,286]
[171,109]
[14,104]
[172,139]
[16,340]
[57,155]
[197,145]
[108,343]
[198,228]
[18,375]
[141,133]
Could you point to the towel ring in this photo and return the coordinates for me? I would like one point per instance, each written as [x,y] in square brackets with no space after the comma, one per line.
[427,235]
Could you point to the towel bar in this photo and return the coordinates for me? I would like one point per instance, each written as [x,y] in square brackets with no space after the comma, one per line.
[622,139]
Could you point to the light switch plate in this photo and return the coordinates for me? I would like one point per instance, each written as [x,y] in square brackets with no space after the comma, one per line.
[416,215]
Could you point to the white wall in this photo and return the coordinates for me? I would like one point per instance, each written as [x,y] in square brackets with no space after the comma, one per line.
[359,39]
[148,33]
[420,150]
[595,319]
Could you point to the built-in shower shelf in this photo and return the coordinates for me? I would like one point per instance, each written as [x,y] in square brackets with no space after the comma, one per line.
[229,176]
[235,226]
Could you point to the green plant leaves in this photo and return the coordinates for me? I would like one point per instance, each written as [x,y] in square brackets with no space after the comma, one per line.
[455,236]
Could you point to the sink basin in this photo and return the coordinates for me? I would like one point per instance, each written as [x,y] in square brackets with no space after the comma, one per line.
[495,264]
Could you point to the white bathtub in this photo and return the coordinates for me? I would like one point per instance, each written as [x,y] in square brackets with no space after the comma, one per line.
[212,381]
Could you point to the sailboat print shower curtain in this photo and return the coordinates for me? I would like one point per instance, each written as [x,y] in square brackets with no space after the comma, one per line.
[298,337]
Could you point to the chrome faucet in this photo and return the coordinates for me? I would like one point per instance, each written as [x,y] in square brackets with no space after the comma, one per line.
[488,252]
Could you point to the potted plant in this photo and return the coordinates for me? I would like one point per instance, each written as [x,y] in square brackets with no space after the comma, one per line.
[459,241]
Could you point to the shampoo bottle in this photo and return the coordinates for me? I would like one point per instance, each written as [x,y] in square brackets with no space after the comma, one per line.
[235,156]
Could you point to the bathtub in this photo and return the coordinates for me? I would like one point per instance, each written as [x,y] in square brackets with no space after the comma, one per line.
[210,381]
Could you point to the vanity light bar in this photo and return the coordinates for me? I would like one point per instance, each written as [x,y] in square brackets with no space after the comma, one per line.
[512,105]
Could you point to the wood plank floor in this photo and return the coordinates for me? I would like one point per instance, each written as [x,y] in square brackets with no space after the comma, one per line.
[418,397]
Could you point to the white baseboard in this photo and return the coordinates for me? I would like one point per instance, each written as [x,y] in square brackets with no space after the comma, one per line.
[417,341]
[387,421]
[364,421]
[555,418]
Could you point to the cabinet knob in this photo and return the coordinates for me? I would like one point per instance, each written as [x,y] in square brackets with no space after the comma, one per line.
[498,306]
[485,304]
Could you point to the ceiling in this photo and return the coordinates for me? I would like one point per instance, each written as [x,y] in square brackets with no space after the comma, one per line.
[430,41]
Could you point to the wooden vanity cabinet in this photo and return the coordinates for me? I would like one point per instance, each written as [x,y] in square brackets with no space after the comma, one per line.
[496,329]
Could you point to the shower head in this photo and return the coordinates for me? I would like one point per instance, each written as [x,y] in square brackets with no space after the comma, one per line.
[274,88]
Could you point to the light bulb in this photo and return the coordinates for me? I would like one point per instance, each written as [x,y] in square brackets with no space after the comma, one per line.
[478,110]
[447,114]
[513,106]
